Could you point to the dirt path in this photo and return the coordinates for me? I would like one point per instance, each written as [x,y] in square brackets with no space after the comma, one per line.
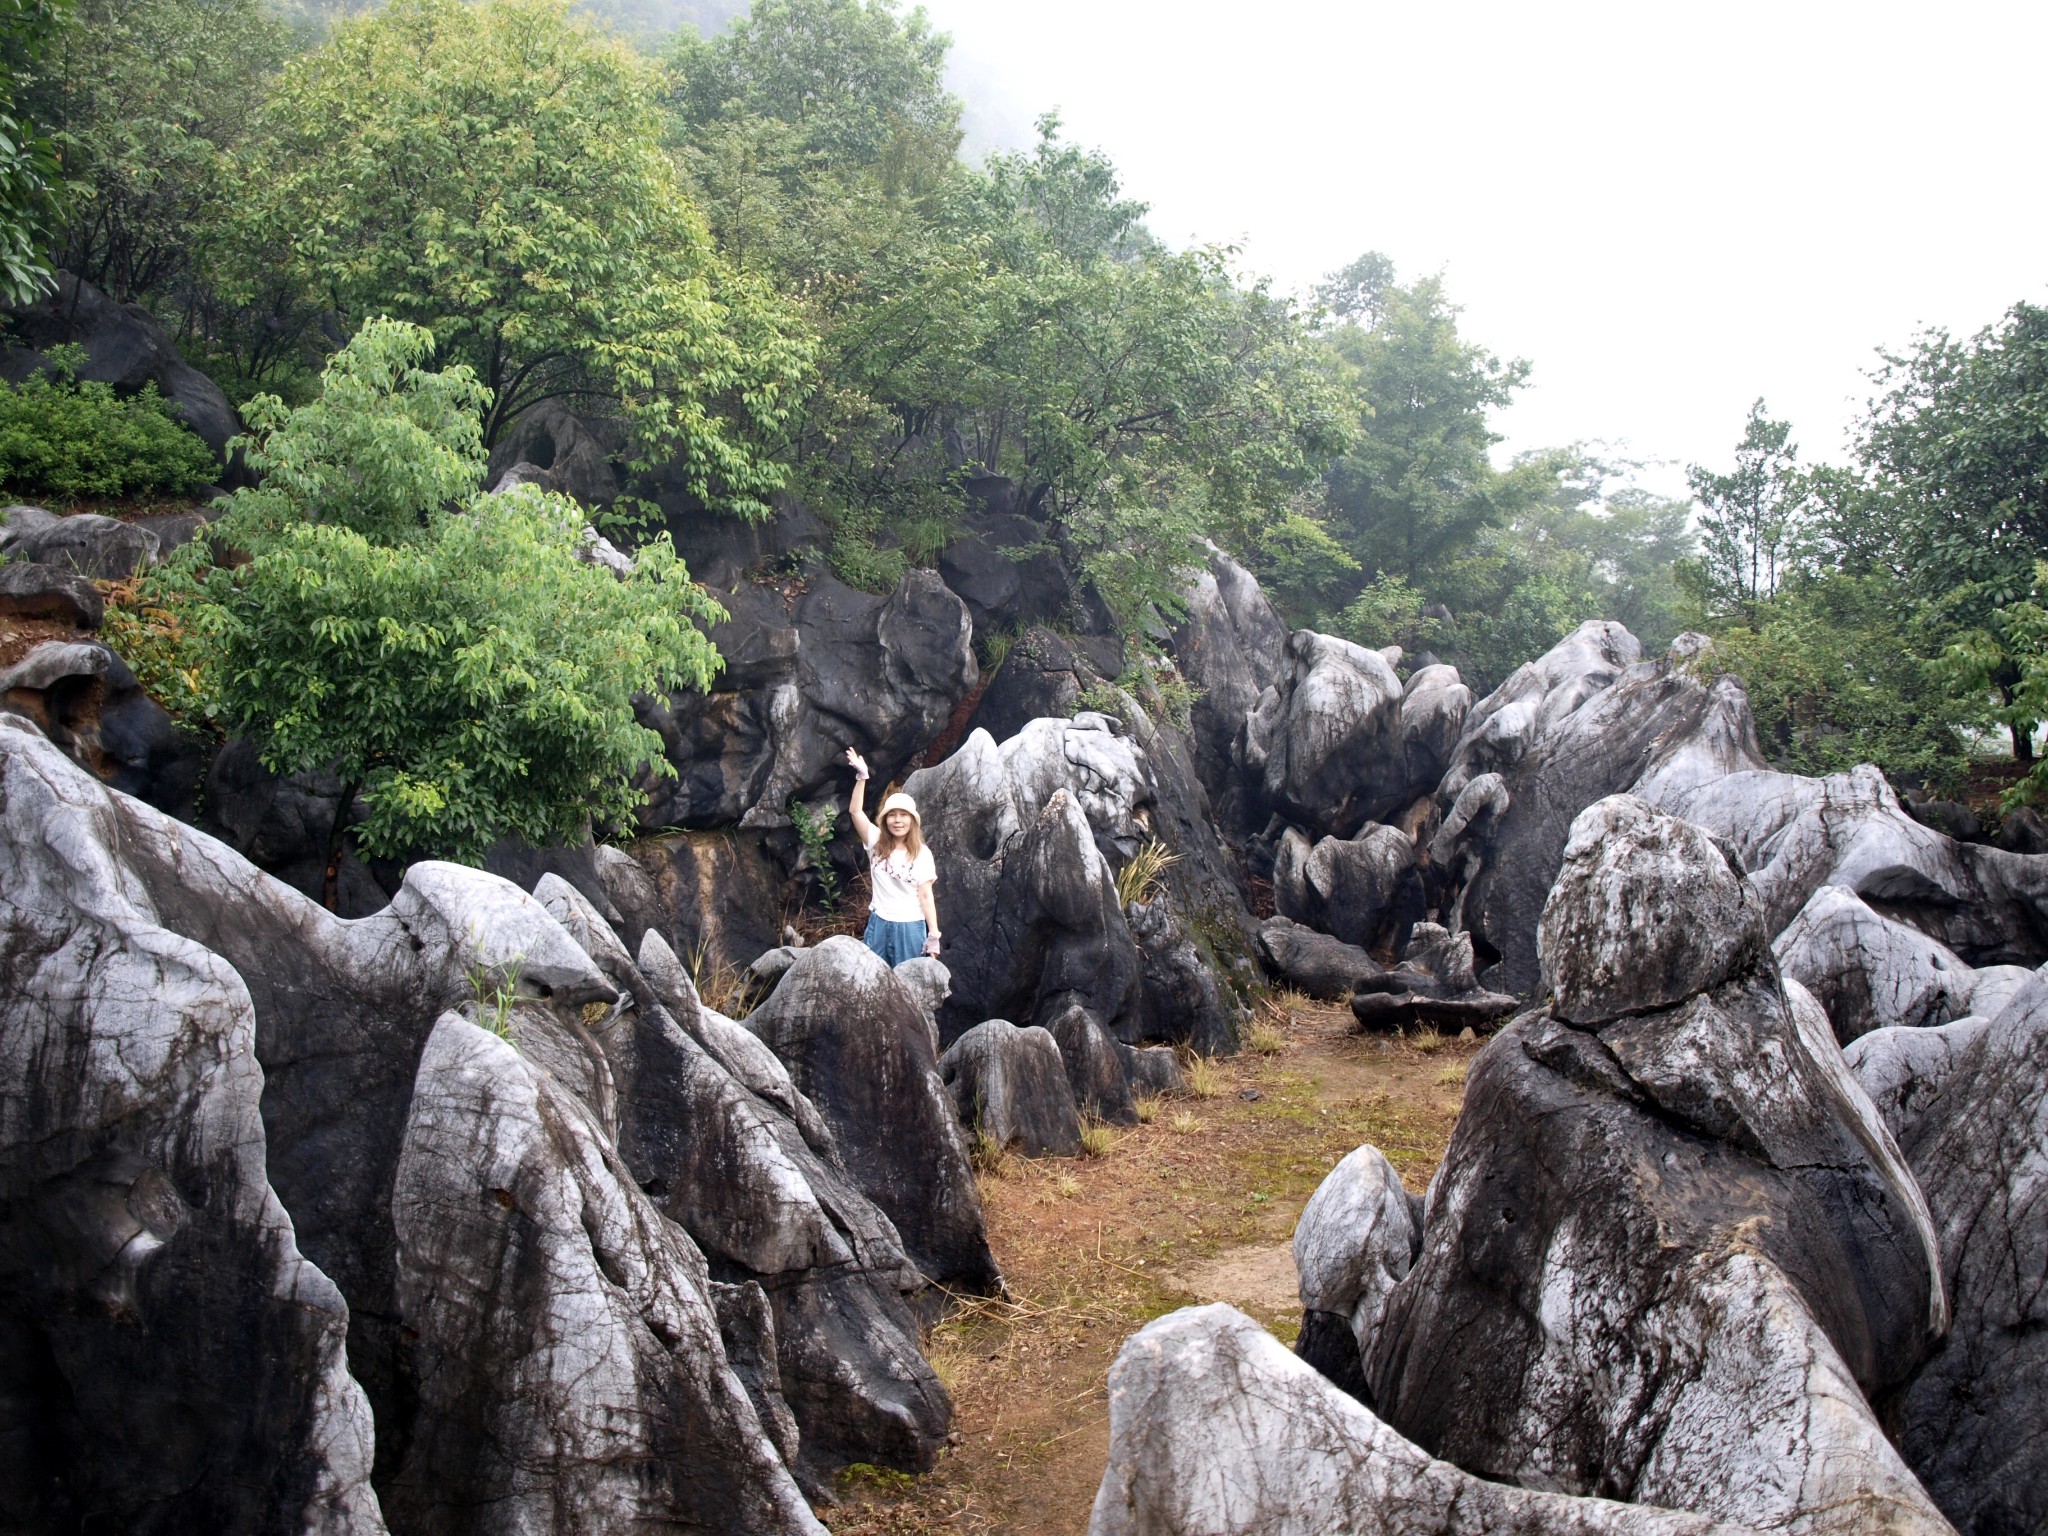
[1199,1204]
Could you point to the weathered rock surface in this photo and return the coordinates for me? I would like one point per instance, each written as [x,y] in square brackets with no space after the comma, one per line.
[855,1043]
[1670,1234]
[1314,962]
[1972,1118]
[552,446]
[834,669]
[172,1358]
[1868,971]
[1364,890]
[1011,1085]
[569,1367]
[1325,739]
[568,1359]
[87,701]
[31,591]
[1232,646]
[85,543]
[1216,1430]
[1356,1240]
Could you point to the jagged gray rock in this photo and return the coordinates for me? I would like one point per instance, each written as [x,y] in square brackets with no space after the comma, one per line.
[1365,890]
[1325,740]
[1868,971]
[31,591]
[1356,1240]
[1011,1085]
[1972,1119]
[1216,1430]
[172,1358]
[1314,962]
[1669,1234]
[856,1045]
[566,1347]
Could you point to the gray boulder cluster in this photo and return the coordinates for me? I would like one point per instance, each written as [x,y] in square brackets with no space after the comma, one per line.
[461,1217]
[1687,1264]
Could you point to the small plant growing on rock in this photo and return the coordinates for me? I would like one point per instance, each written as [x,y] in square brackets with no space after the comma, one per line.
[988,1156]
[814,832]
[1142,879]
[494,997]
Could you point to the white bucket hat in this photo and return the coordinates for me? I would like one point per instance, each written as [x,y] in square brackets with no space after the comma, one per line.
[902,802]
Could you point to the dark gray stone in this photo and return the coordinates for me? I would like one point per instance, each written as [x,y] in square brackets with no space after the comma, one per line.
[31,591]
[85,543]
[1011,1085]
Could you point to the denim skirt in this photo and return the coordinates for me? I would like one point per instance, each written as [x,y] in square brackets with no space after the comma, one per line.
[895,942]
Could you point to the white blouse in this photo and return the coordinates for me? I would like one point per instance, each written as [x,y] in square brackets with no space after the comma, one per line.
[893,882]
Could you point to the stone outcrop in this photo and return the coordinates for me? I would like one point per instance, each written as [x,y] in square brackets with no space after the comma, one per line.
[1010,1084]
[598,1260]
[1365,890]
[1969,1103]
[855,1042]
[1216,1430]
[1356,1240]
[1670,1234]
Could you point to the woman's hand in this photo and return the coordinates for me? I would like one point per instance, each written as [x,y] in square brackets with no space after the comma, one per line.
[931,946]
[857,763]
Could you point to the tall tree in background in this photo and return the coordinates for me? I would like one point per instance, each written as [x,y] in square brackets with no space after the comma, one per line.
[495,172]
[30,207]
[1955,460]
[1752,519]
[147,97]
[1416,484]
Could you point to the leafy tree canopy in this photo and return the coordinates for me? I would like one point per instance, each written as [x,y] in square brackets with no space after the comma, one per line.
[495,172]
[455,662]
[30,203]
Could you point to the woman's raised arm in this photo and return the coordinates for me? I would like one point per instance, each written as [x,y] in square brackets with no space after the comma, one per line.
[862,827]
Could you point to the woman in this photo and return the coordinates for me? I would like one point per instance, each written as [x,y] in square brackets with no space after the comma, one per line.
[903,922]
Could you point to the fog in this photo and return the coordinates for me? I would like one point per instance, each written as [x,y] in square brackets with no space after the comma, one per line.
[1670,209]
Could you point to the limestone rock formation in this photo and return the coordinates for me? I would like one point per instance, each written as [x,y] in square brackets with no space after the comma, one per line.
[1868,971]
[855,1043]
[1011,1085]
[1356,1240]
[1365,890]
[1969,1102]
[1216,1430]
[608,1267]
[1314,962]
[1670,1235]
[86,543]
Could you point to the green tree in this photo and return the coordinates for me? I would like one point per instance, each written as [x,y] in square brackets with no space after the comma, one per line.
[145,98]
[455,663]
[1955,473]
[1754,520]
[495,172]
[30,197]
[1416,484]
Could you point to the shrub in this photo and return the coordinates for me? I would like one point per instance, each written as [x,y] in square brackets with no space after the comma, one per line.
[64,440]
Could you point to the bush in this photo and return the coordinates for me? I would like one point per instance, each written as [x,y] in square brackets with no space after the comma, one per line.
[64,440]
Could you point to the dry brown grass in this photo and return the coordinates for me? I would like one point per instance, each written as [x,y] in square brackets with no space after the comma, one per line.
[1093,1248]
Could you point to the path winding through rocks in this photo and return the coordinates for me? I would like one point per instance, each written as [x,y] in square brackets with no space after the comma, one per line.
[1196,1205]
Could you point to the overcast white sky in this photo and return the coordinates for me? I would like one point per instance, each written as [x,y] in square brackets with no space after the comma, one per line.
[1670,209]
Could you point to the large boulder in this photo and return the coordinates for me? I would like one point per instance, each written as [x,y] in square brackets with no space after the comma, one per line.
[1356,1240]
[552,445]
[172,1358]
[855,1043]
[1325,740]
[1364,890]
[1011,1085]
[1231,646]
[1000,566]
[1216,1430]
[1671,1235]
[570,1372]
[598,1172]
[87,544]
[124,347]
[835,669]
[1314,962]
[1869,971]
[32,591]
[87,701]
[1972,1118]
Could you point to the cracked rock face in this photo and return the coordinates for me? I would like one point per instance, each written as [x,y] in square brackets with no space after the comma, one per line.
[609,1268]
[1216,1430]
[172,1359]
[1356,1240]
[1011,1085]
[1671,1235]
[1871,972]
[1970,1104]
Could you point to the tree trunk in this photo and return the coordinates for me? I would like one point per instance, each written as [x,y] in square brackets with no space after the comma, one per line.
[337,830]
[2022,741]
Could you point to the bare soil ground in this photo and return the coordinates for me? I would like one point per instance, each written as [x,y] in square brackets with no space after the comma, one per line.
[1196,1205]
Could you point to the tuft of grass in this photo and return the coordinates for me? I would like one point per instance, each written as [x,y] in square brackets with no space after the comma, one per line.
[1200,1077]
[1185,1123]
[1425,1041]
[724,987]
[1066,1186]
[989,1156]
[1147,1108]
[1096,1139]
[865,1475]
[1265,1038]
[1451,1076]
[1139,880]
[1290,1000]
